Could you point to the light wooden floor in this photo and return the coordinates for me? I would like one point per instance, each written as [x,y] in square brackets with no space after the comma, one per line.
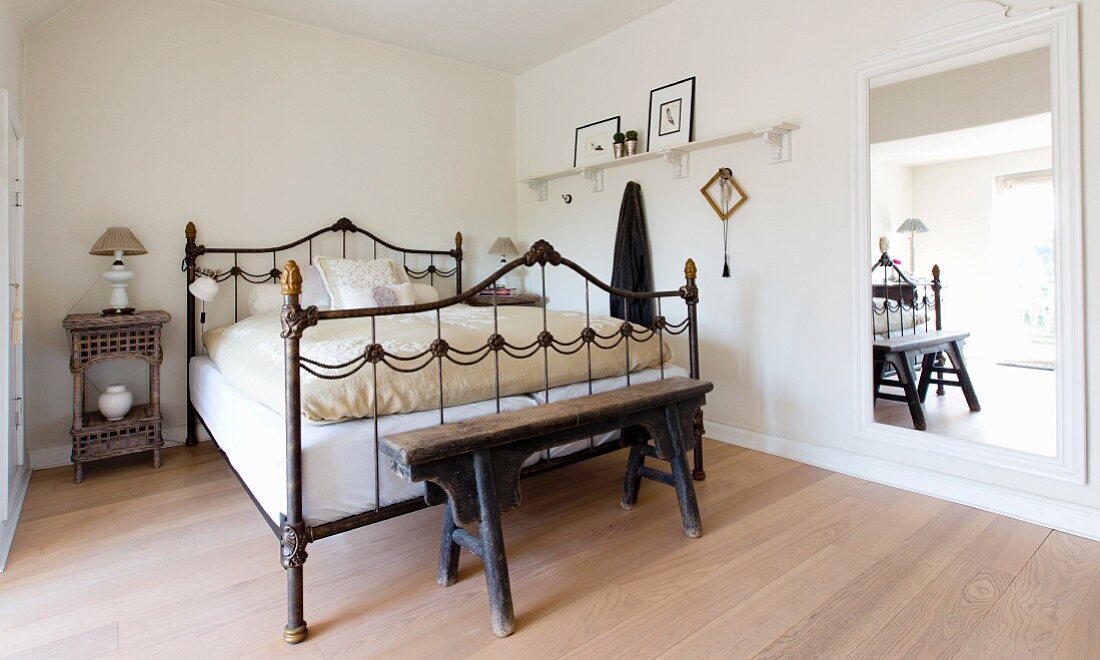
[794,561]
[1019,409]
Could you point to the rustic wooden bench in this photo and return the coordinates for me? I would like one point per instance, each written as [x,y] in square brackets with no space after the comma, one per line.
[473,466]
[902,352]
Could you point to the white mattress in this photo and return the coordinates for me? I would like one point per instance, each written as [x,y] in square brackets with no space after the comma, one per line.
[338,460]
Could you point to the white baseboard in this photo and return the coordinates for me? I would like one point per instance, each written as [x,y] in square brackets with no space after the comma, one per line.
[1063,516]
[53,456]
[7,528]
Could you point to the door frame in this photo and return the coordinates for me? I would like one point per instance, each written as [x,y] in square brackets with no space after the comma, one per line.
[11,494]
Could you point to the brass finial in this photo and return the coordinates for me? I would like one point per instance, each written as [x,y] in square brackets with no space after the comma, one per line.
[190,232]
[689,269]
[458,238]
[291,279]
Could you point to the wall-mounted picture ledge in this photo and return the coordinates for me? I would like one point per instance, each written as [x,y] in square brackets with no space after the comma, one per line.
[777,137]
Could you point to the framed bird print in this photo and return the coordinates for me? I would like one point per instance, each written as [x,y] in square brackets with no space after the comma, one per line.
[671,115]
[592,142]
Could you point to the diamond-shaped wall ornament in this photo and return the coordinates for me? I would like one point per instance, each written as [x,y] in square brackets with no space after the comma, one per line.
[723,194]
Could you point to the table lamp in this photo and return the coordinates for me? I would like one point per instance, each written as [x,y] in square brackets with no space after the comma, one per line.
[913,226]
[118,241]
[505,248]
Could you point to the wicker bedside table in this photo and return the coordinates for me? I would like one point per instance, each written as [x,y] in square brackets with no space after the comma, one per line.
[93,339]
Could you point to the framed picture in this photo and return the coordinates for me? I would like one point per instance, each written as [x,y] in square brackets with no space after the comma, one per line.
[592,142]
[671,115]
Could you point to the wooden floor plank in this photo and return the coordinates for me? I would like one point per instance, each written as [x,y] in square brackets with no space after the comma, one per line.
[871,600]
[138,562]
[1082,639]
[1034,614]
[747,628]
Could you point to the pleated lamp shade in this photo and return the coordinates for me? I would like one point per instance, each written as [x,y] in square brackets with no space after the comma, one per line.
[116,239]
[503,246]
[913,226]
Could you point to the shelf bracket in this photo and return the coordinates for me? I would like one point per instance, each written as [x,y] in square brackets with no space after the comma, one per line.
[779,139]
[595,178]
[679,162]
[539,186]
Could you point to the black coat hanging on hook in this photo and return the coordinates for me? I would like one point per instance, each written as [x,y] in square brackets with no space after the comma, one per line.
[630,269]
[724,196]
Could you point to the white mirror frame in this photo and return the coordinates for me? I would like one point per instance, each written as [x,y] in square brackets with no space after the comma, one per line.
[958,30]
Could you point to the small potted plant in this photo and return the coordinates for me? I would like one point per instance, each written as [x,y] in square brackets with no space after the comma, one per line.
[617,144]
[631,142]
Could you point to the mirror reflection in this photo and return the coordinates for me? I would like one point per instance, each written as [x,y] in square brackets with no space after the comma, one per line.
[962,222]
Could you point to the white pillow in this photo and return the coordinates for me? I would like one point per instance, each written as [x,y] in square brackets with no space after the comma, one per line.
[265,298]
[313,289]
[424,293]
[349,281]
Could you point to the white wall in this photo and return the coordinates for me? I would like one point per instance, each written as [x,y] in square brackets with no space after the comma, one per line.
[891,204]
[150,113]
[11,56]
[955,200]
[776,337]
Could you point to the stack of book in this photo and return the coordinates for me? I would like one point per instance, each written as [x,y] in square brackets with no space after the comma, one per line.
[498,292]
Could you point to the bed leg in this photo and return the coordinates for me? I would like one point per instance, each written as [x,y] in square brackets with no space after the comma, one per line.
[192,426]
[293,557]
[295,630]
[698,474]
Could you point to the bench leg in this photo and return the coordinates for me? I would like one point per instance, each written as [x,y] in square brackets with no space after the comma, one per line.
[878,367]
[448,549]
[908,379]
[632,482]
[685,495]
[954,351]
[492,544]
[927,366]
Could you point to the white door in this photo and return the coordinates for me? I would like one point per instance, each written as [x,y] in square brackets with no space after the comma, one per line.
[11,273]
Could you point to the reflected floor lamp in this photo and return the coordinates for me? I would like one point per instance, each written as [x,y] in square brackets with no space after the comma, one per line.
[913,226]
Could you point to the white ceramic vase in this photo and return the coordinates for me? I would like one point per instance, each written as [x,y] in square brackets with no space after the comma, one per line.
[115,402]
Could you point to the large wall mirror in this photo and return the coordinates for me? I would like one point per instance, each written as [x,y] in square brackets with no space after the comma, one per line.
[969,282]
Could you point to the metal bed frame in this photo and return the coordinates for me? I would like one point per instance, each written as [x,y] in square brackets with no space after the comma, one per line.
[291,530]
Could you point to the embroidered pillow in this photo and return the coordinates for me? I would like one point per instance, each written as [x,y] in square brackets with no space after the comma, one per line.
[350,282]
[392,295]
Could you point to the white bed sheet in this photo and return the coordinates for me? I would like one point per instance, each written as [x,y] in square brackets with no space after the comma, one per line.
[338,459]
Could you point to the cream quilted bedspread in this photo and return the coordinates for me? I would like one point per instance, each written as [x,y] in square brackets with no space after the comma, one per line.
[250,354]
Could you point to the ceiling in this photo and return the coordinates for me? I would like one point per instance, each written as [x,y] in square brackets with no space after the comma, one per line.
[1001,138]
[505,35]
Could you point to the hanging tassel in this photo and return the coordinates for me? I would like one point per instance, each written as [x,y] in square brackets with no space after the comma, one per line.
[16,320]
[726,267]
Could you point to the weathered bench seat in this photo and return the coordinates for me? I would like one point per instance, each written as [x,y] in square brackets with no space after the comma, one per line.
[901,353]
[473,466]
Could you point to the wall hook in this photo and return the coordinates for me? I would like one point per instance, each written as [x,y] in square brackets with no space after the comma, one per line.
[567,198]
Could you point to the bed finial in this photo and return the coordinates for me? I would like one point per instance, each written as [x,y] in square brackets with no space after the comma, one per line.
[291,279]
[458,239]
[936,272]
[689,269]
[189,232]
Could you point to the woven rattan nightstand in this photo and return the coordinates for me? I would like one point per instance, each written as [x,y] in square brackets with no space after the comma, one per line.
[93,339]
